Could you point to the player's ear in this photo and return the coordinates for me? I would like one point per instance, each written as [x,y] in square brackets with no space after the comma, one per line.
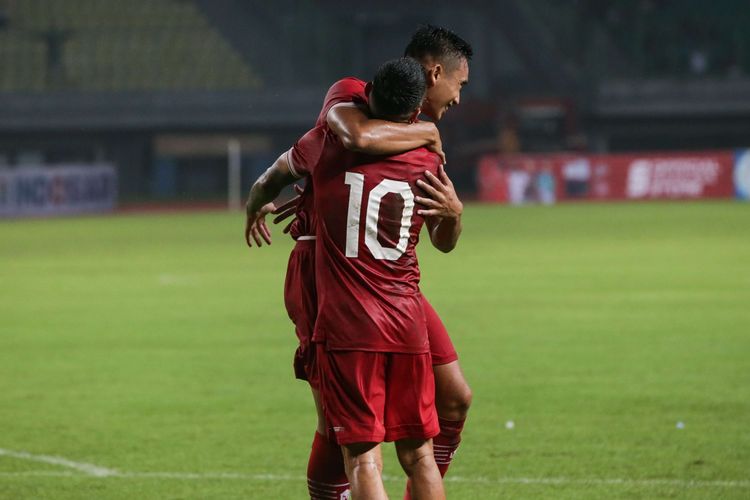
[414,115]
[434,73]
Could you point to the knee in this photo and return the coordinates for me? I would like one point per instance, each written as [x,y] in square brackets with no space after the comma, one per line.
[413,458]
[368,464]
[362,457]
[413,464]
[455,405]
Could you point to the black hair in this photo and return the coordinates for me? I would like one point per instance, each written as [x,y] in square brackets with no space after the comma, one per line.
[440,43]
[398,88]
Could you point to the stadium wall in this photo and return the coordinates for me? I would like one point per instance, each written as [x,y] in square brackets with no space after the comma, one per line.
[564,177]
[59,190]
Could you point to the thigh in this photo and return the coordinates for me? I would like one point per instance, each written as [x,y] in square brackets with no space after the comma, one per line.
[410,401]
[300,294]
[322,428]
[353,391]
[301,303]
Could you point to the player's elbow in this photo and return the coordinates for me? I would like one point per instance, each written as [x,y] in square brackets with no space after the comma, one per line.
[347,124]
[354,141]
[445,246]
[352,137]
[445,234]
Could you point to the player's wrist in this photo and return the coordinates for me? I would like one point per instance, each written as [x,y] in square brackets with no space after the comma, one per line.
[456,210]
[251,209]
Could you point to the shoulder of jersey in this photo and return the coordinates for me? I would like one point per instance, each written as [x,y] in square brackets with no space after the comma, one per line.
[421,153]
[349,80]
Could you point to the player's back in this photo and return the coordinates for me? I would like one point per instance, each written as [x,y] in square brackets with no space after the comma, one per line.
[368,228]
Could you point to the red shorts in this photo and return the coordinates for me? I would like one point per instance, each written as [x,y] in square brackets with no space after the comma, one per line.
[371,397]
[301,301]
[441,347]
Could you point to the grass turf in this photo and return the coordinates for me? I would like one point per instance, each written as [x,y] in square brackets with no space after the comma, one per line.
[150,344]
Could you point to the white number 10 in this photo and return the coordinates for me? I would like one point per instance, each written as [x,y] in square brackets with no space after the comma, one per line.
[372,211]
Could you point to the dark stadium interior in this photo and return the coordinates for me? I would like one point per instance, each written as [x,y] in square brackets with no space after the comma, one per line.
[104,80]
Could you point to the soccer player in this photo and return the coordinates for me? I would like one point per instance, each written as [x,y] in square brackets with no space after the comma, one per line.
[444,57]
[372,348]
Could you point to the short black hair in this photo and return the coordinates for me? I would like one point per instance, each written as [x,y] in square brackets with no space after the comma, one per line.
[398,88]
[440,43]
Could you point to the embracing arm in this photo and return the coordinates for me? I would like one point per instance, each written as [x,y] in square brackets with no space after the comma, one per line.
[444,232]
[443,212]
[358,132]
[262,193]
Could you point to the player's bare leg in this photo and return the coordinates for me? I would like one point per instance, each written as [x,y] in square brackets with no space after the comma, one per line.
[452,392]
[364,467]
[418,461]
[325,468]
[322,426]
[452,401]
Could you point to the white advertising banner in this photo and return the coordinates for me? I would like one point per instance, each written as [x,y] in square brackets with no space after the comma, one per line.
[742,174]
[57,190]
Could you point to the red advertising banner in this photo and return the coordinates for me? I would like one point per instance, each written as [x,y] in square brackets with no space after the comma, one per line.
[546,178]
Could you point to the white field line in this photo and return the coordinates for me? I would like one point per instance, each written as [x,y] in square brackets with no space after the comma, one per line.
[682,483]
[89,469]
[42,473]
[94,471]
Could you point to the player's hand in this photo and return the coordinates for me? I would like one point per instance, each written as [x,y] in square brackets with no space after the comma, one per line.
[436,145]
[288,209]
[442,199]
[255,226]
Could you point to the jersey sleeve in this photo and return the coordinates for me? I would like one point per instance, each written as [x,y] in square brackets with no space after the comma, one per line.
[345,90]
[304,155]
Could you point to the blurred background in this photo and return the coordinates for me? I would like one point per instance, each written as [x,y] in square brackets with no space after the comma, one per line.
[107,104]
[148,355]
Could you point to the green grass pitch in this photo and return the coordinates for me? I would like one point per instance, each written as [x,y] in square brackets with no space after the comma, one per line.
[156,349]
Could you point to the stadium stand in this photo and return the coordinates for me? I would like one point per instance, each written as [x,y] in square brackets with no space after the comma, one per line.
[104,79]
[648,38]
[689,38]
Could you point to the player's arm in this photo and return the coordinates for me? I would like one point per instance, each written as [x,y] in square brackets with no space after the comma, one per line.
[294,164]
[444,232]
[288,209]
[262,193]
[358,132]
[443,210]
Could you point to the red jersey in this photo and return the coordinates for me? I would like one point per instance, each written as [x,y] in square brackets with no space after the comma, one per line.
[367,231]
[345,90]
[348,89]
